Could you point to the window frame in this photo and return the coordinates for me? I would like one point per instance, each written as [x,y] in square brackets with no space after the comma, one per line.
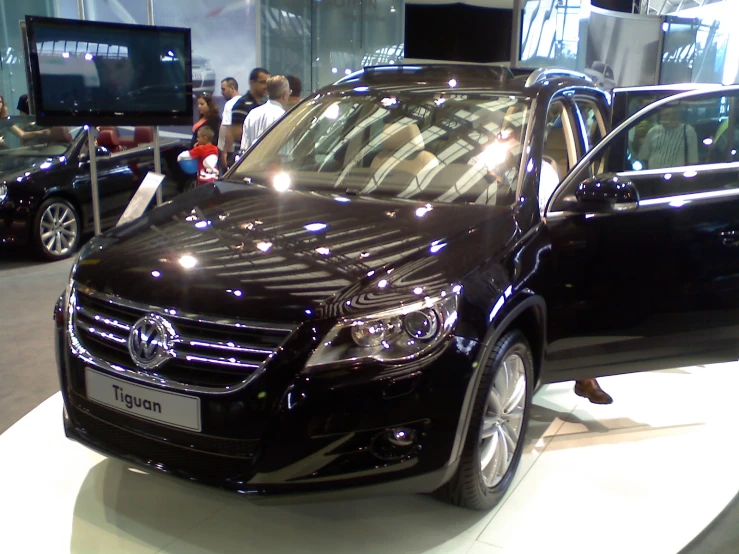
[557,203]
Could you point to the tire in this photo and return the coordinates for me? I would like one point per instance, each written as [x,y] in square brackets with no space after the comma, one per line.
[471,487]
[56,230]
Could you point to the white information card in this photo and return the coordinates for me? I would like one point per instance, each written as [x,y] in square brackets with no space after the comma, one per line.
[139,202]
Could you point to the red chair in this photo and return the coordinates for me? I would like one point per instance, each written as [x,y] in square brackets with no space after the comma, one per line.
[143,135]
[109,139]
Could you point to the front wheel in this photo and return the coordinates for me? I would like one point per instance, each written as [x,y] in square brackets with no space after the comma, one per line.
[495,437]
[56,229]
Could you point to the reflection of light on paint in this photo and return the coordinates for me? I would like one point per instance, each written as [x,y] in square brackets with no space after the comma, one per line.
[347,72]
[690,174]
[264,246]
[361,89]
[668,176]
[452,83]
[370,273]
[382,284]
[315,227]
[281,182]
[589,216]
[678,203]
[708,141]
[341,199]
[332,112]
[637,165]
[156,274]
[422,211]
[530,165]
[45,165]
[456,289]
[389,101]
[418,290]
[201,224]
[436,246]
[188,262]
[323,251]
[238,293]
[439,101]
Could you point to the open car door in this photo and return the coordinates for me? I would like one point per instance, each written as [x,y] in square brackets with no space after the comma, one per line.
[645,234]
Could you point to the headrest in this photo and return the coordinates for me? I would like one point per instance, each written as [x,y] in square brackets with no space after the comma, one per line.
[143,135]
[60,134]
[109,139]
[400,136]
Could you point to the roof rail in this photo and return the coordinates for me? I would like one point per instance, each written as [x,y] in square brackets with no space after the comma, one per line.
[552,72]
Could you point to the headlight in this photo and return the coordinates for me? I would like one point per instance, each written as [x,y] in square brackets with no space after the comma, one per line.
[3,192]
[391,336]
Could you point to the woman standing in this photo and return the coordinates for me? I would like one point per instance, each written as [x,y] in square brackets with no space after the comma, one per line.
[208,117]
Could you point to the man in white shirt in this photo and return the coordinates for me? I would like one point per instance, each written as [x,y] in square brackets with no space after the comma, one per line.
[230,91]
[671,143]
[261,118]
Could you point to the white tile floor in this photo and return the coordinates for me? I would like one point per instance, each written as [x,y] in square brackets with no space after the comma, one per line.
[644,475]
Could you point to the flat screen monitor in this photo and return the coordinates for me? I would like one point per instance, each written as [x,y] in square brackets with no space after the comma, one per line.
[85,72]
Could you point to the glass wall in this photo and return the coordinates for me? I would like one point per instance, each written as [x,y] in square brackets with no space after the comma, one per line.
[319,41]
[12,63]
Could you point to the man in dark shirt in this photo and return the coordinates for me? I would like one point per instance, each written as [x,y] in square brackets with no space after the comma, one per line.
[256,96]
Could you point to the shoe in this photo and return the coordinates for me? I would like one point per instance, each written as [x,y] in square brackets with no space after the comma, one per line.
[590,389]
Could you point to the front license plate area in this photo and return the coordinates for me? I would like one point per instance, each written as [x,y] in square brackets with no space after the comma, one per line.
[169,408]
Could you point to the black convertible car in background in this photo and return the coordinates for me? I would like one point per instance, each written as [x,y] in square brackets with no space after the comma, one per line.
[45,189]
[371,296]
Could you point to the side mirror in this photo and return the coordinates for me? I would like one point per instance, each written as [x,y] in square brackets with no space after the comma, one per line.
[100,152]
[607,192]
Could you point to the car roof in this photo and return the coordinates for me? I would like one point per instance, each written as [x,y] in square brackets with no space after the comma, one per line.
[466,77]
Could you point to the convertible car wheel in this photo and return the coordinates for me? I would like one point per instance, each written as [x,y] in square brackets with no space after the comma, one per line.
[497,429]
[57,229]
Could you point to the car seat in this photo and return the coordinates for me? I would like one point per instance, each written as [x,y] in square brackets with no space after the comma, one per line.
[143,135]
[109,139]
[403,151]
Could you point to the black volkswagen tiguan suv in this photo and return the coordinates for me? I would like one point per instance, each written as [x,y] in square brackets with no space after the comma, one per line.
[370,297]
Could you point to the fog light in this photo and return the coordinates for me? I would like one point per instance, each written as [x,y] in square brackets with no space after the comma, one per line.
[402,437]
[394,444]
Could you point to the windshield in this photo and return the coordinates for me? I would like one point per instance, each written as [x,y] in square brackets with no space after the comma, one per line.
[432,147]
[24,144]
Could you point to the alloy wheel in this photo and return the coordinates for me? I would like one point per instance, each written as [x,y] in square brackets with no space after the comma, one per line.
[502,419]
[58,229]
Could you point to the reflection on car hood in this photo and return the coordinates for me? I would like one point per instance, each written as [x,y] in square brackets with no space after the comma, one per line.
[259,255]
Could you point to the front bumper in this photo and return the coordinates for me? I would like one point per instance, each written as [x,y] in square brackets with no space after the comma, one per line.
[284,433]
[14,224]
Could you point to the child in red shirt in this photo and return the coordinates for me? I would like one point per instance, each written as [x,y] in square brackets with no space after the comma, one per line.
[203,152]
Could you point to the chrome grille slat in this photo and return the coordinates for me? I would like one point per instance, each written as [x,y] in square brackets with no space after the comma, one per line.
[224,351]
[217,361]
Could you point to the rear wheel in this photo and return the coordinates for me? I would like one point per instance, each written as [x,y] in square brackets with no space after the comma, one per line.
[495,437]
[56,229]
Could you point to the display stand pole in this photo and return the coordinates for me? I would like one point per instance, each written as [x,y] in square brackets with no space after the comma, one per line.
[157,163]
[92,149]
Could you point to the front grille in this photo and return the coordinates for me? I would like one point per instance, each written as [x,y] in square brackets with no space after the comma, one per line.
[214,353]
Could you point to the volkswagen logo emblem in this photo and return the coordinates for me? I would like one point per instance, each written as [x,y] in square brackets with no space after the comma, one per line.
[150,341]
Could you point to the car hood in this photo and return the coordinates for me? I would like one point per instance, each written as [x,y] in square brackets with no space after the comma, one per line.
[249,252]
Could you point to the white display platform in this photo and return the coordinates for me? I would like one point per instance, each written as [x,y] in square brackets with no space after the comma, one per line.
[644,475]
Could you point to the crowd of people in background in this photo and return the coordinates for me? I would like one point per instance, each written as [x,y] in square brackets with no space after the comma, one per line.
[245,116]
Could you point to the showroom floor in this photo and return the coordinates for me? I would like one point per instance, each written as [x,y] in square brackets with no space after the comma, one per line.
[644,475]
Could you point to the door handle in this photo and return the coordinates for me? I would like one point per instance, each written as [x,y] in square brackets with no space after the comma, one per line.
[729,238]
